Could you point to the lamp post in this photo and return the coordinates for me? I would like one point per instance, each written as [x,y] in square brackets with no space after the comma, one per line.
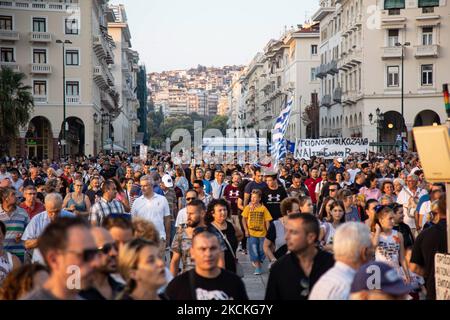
[64,129]
[406,44]
[378,121]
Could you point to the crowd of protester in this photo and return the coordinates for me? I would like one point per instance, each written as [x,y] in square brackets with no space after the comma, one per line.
[148,229]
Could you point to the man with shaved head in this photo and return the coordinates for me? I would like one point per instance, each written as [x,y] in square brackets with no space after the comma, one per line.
[104,287]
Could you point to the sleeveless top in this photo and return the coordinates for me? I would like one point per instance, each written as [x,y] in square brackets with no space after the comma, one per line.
[6,266]
[329,233]
[79,206]
[388,249]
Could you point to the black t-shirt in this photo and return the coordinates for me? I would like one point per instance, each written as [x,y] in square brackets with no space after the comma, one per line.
[230,234]
[408,237]
[287,281]
[429,242]
[272,199]
[226,286]
[108,174]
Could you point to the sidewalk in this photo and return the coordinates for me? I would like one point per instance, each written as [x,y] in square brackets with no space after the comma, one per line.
[256,285]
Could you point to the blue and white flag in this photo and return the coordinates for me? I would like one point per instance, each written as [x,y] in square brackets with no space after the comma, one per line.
[278,149]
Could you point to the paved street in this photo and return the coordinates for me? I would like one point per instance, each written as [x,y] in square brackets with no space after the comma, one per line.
[256,285]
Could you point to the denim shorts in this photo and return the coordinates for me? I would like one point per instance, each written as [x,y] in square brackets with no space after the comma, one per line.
[255,249]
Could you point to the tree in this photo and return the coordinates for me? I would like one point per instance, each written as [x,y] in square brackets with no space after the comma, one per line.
[218,122]
[16,105]
[311,119]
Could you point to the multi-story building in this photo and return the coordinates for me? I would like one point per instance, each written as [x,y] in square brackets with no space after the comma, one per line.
[177,101]
[31,41]
[124,70]
[284,71]
[223,107]
[363,45]
[211,103]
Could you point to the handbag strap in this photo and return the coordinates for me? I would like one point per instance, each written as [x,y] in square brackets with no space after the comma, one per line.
[226,240]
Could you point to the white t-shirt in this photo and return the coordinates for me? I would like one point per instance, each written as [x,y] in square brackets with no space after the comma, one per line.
[353,173]
[181,217]
[153,210]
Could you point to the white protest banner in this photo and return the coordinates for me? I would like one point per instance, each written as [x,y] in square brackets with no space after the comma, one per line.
[143,152]
[442,276]
[330,148]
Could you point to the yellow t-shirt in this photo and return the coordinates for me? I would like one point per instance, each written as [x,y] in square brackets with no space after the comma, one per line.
[256,220]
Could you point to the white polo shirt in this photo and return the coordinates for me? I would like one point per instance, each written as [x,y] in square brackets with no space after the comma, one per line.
[153,210]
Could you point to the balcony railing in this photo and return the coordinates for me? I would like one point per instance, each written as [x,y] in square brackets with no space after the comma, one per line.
[337,95]
[72,99]
[11,65]
[40,99]
[102,49]
[45,6]
[392,52]
[427,51]
[41,68]
[40,37]
[9,35]
[107,100]
[326,100]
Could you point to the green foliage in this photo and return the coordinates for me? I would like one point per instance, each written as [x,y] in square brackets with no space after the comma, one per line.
[16,104]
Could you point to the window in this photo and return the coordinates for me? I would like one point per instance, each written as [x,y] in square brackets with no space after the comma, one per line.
[394,4]
[6,23]
[39,25]
[7,55]
[71,26]
[314,49]
[392,37]
[313,74]
[427,36]
[39,88]
[427,75]
[39,56]
[428,3]
[72,88]
[393,76]
[72,58]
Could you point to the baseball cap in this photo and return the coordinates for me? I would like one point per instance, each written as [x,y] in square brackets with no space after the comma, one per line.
[167,180]
[389,281]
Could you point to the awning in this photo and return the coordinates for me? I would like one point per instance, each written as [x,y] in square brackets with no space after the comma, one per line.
[115,147]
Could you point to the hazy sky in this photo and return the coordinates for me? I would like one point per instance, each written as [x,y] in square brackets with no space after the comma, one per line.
[178,34]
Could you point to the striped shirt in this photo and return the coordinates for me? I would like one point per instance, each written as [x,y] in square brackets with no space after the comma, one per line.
[15,223]
[101,209]
[334,284]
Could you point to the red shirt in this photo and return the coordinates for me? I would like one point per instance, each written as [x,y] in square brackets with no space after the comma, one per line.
[311,185]
[32,211]
[231,193]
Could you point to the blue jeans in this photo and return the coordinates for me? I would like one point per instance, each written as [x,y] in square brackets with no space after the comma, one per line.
[255,249]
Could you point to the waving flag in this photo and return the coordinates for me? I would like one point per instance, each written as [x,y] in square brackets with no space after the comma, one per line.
[278,148]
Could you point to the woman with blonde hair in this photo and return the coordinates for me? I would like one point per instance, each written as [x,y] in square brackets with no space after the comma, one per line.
[77,202]
[142,267]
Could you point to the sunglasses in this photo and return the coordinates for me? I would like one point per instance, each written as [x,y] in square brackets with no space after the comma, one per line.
[86,255]
[106,249]
[333,190]
[190,199]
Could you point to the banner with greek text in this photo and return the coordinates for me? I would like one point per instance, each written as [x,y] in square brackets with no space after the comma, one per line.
[330,148]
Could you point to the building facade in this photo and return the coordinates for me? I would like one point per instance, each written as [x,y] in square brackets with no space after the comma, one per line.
[32,38]
[361,49]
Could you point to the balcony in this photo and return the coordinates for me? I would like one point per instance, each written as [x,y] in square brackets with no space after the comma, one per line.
[349,98]
[426,51]
[11,65]
[107,100]
[72,99]
[326,100]
[9,35]
[102,49]
[322,13]
[41,68]
[337,95]
[266,115]
[320,71]
[40,99]
[332,68]
[392,53]
[44,37]
[103,77]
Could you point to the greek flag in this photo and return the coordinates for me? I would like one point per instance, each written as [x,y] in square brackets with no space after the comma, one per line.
[278,148]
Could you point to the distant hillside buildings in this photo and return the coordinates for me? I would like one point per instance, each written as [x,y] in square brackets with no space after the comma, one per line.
[202,90]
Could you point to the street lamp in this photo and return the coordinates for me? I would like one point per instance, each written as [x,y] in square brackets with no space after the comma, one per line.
[379,120]
[64,126]
[406,44]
